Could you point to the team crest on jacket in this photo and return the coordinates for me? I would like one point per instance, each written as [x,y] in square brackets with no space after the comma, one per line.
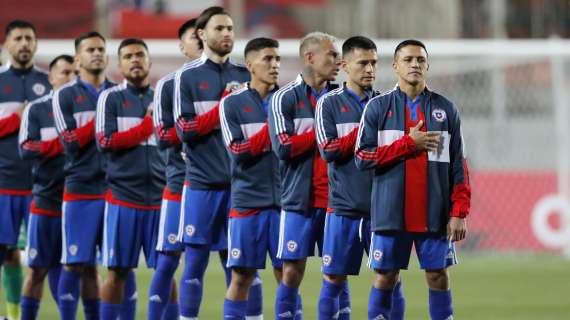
[439,115]
[39,89]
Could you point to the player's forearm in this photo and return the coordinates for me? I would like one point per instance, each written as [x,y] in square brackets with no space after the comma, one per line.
[9,125]
[167,137]
[338,149]
[126,139]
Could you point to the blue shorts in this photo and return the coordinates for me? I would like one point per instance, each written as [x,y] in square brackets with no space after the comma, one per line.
[344,244]
[299,233]
[13,210]
[204,218]
[125,232]
[251,238]
[168,226]
[43,248]
[391,250]
[81,222]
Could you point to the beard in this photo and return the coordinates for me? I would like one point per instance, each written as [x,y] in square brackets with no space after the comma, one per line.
[137,77]
[219,48]
[23,58]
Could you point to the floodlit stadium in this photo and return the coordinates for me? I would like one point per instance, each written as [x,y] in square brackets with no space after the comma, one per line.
[503,63]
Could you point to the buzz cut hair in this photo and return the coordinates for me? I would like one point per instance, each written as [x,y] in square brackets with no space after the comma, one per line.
[87,35]
[314,38]
[259,44]
[357,42]
[207,14]
[409,42]
[19,24]
[65,57]
[131,41]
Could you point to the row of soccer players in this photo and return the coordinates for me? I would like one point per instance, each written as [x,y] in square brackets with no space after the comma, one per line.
[411,135]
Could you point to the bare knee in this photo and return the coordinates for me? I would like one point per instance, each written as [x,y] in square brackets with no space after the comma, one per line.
[337,280]
[438,279]
[386,279]
[242,278]
[77,268]
[293,272]
[117,275]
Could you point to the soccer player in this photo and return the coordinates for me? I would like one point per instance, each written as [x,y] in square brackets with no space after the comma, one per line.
[162,287]
[39,142]
[135,173]
[411,138]
[83,198]
[199,85]
[20,83]
[303,172]
[255,192]
[347,225]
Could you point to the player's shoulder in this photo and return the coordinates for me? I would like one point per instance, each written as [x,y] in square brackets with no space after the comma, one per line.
[40,72]
[438,100]
[383,99]
[191,66]
[41,101]
[113,92]
[238,66]
[66,89]
[288,90]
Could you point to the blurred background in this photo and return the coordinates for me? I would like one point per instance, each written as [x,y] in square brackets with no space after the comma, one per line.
[505,64]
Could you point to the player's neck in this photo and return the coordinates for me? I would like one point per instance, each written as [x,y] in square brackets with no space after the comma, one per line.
[356,89]
[96,80]
[313,80]
[17,65]
[412,91]
[139,84]
[214,56]
[263,88]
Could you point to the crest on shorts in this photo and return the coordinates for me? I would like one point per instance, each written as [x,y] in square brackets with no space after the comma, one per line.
[190,230]
[32,253]
[39,89]
[439,115]
[377,255]
[235,253]
[73,249]
[327,260]
[172,238]
[291,246]
[111,253]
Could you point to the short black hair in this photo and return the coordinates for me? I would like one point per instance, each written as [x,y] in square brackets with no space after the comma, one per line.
[64,57]
[357,42]
[207,14]
[258,44]
[19,24]
[130,41]
[87,35]
[409,42]
[189,24]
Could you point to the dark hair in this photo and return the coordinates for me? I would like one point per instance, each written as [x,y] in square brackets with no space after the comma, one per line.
[87,35]
[189,24]
[130,41]
[207,14]
[357,42]
[409,42]
[64,57]
[258,44]
[18,24]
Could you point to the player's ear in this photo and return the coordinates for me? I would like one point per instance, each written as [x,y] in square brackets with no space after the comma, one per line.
[344,65]
[201,34]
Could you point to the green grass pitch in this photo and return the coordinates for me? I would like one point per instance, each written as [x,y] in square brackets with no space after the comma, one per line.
[494,286]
